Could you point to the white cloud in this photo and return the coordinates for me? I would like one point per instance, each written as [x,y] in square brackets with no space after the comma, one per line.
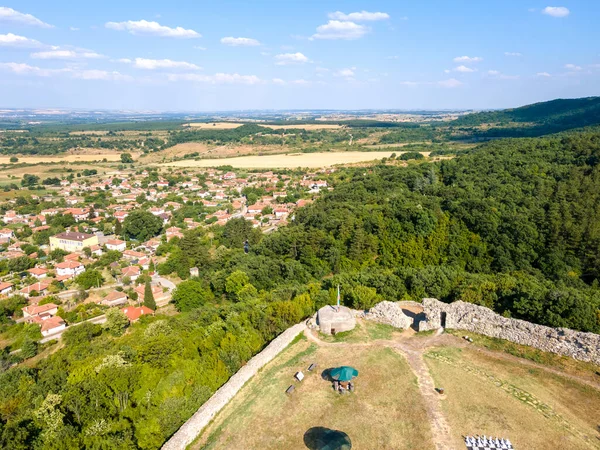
[27,70]
[464,69]
[450,83]
[100,75]
[122,60]
[154,64]
[278,81]
[300,82]
[334,29]
[345,73]
[265,54]
[512,54]
[556,11]
[73,28]
[66,54]
[218,78]
[362,16]
[10,15]
[199,47]
[240,42]
[13,40]
[543,74]
[468,59]
[290,58]
[500,76]
[573,67]
[392,57]
[146,28]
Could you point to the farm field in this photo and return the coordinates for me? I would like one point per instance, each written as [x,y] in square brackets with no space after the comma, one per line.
[213,125]
[110,157]
[312,160]
[233,125]
[385,411]
[204,149]
[308,127]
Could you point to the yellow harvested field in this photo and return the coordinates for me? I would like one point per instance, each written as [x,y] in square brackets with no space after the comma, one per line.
[232,125]
[112,157]
[214,125]
[311,126]
[291,160]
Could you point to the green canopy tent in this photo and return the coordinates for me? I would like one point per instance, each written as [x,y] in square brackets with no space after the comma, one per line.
[344,373]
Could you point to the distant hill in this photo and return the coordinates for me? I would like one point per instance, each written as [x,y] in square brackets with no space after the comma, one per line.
[536,119]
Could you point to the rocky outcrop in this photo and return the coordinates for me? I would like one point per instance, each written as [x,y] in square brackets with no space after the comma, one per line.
[478,319]
[192,428]
[389,313]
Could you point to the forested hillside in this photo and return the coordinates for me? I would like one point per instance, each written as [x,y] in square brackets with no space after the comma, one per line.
[536,119]
[513,225]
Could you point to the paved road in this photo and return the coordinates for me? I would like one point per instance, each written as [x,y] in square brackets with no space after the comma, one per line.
[164,282]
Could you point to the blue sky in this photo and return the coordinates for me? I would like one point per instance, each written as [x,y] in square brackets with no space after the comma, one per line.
[288,54]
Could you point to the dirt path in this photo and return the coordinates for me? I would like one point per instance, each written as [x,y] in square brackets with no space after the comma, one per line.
[439,426]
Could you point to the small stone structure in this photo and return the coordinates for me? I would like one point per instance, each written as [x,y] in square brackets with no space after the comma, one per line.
[336,319]
[192,428]
[389,313]
[478,319]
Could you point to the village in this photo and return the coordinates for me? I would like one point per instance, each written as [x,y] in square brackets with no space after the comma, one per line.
[65,258]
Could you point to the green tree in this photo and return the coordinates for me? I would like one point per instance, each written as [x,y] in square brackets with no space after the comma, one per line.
[238,287]
[237,231]
[141,225]
[14,159]
[118,228]
[126,158]
[29,348]
[190,295]
[116,321]
[29,180]
[89,279]
[149,297]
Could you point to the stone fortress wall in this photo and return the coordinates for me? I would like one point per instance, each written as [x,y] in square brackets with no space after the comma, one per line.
[478,319]
[195,424]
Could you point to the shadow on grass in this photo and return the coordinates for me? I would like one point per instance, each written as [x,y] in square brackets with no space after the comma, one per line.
[321,438]
[326,374]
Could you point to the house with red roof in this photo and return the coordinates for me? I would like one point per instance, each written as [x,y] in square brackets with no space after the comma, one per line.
[44,311]
[70,268]
[134,313]
[116,244]
[6,288]
[115,298]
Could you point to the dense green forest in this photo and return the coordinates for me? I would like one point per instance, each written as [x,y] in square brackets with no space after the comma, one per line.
[536,119]
[512,224]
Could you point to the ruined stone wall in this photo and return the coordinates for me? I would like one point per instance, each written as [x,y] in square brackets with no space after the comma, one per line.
[478,319]
[192,428]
